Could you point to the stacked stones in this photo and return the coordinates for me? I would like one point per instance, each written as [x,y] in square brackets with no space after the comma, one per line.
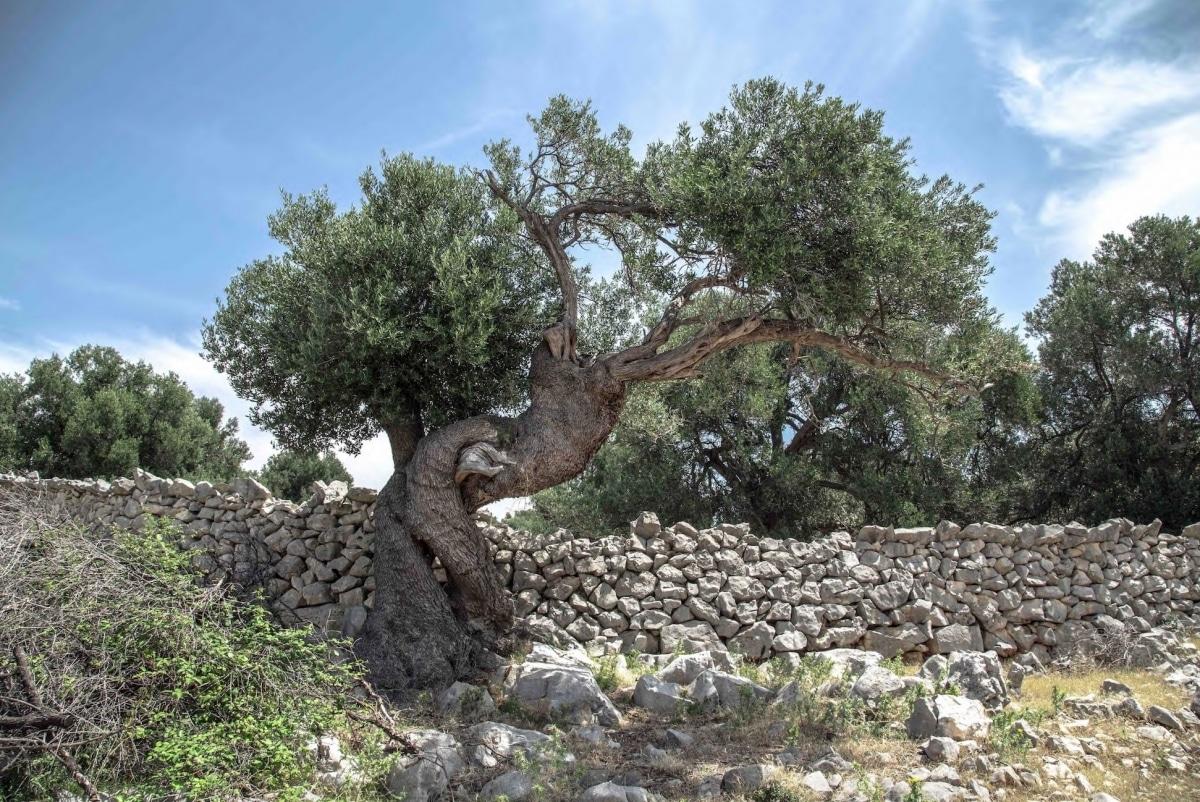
[1045,589]
[1041,589]
[312,561]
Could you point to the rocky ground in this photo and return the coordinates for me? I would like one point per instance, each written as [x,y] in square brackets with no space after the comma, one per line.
[843,725]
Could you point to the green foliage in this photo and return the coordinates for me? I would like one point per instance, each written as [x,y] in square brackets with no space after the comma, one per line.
[420,304]
[802,445]
[290,473]
[1009,741]
[1058,698]
[776,792]
[93,414]
[1119,345]
[608,672]
[174,688]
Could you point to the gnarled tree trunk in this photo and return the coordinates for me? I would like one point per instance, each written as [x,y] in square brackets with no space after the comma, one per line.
[419,635]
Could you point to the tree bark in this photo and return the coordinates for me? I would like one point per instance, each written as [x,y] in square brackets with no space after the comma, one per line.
[419,634]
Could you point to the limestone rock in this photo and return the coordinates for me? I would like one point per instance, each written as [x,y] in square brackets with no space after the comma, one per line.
[954,717]
[658,696]
[428,772]
[561,685]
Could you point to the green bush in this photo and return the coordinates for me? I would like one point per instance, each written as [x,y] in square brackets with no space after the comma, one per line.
[166,686]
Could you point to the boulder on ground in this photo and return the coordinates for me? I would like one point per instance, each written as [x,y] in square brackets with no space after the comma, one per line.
[939,749]
[977,675]
[658,696]
[876,683]
[464,700]
[494,742]
[426,772]
[715,688]
[685,668]
[611,792]
[512,786]
[744,779]
[954,717]
[847,664]
[561,685]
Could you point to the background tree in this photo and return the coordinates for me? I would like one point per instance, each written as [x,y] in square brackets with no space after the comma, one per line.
[1120,379]
[96,414]
[290,473]
[799,446]
[786,217]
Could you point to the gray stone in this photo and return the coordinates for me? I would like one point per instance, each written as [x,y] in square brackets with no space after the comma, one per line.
[428,771]
[513,786]
[755,640]
[817,783]
[954,717]
[875,683]
[611,792]
[978,675]
[679,739]
[466,701]
[957,638]
[689,637]
[941,750]
[1115,686]
[716,688]
[493,742]
[744,779]
[658,696]
[561,685]
[1164,718]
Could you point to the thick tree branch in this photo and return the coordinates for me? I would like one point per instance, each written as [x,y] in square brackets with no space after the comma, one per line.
[684,360]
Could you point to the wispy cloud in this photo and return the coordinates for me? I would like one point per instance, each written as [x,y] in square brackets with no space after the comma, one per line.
[10,304]
[1154,172]
[1108,18]
[1084,102]
[1119,119]
[488,122]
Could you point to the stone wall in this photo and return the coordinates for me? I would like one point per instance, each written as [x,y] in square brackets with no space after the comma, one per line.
[1033,588]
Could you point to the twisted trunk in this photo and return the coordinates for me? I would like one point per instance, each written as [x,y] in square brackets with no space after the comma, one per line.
[420,634]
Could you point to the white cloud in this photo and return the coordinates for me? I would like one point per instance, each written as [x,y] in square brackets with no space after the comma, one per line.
[1109,17]
[10,304]
[1083,102]
[1155,172]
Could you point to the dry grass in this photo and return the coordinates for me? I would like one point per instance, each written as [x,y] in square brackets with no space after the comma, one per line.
[1148,687]
[1146,778]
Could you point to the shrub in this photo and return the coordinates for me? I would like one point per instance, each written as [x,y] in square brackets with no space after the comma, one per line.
[133,676]
[775,792]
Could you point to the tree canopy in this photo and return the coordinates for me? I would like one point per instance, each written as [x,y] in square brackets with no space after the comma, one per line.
[1119,348]
[289,474]
[94,414]
[418,303]
[785,216]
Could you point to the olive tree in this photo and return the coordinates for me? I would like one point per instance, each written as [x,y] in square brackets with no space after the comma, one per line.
[449,310]
[1119,351]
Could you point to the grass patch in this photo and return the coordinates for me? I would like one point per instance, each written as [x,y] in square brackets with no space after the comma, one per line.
[1149,688]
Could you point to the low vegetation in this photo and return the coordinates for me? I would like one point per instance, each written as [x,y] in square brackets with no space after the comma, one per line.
[118,671]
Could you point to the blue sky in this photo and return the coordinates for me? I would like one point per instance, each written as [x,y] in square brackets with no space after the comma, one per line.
[144,144]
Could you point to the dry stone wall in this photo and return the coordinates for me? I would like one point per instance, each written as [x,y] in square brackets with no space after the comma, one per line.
[1043,588]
